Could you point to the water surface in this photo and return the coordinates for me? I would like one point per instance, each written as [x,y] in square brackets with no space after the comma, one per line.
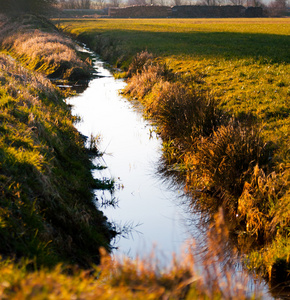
[157,213]
[132,153]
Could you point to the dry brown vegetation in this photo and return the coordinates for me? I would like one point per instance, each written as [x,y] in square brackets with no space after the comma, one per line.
[225,159]
[38,45]
[184,278]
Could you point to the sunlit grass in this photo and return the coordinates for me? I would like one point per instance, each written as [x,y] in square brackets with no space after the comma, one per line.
[37,44]
[124,279]
[242,62]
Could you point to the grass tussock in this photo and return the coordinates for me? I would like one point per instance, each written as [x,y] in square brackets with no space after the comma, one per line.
[47,208]
[226,159]
[220,153]
[192,115]
[36,43]
[140,63]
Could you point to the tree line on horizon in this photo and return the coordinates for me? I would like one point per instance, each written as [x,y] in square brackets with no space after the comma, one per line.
[275,7]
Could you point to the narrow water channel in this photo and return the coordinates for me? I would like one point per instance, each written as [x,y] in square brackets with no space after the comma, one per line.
[153,212]
[147,206]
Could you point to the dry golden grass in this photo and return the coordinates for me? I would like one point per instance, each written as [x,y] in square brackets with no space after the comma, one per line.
[140,279]
[224,156]
[47,51]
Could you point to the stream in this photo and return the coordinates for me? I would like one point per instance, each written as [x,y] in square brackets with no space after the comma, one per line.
[152,214]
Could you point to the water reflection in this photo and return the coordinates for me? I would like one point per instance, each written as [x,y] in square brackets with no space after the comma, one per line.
[145,203]
[151,207]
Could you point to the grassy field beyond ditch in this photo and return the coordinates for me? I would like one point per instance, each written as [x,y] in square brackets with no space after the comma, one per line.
[219,91]
[244,63]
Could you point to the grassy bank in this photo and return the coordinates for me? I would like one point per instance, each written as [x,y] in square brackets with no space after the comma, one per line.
[47,205]
[39,46]
[138,279]
[219,91]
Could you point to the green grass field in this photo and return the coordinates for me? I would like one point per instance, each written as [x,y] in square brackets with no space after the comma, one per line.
[243,62]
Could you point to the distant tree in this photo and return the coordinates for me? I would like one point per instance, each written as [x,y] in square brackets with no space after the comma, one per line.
[136,2]
[181,2]
[162,2]
[211,2]
[24,6]
[75,4]
[255,3]
[71,4]
[115,3]
[277,8]
[100,3]
[85,4]
[237,2]
[177,2]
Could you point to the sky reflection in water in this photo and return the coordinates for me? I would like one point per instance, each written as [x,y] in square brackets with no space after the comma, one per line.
[132,155]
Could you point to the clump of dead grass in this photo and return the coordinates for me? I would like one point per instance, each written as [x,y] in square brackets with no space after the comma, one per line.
[219,154]
[264,203]
[140,85]
[226,158]
[125,278]
[140,62]
[46,51]
[184,114]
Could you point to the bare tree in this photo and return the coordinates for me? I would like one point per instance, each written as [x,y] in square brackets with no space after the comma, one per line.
[277,8]
[211,2]
[237,2]
[100,3]
[86,4]
[255,3]
[115,3]
[75,4]
[137,2]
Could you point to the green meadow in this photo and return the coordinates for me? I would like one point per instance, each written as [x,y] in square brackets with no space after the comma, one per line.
[219,91]
[243,62]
